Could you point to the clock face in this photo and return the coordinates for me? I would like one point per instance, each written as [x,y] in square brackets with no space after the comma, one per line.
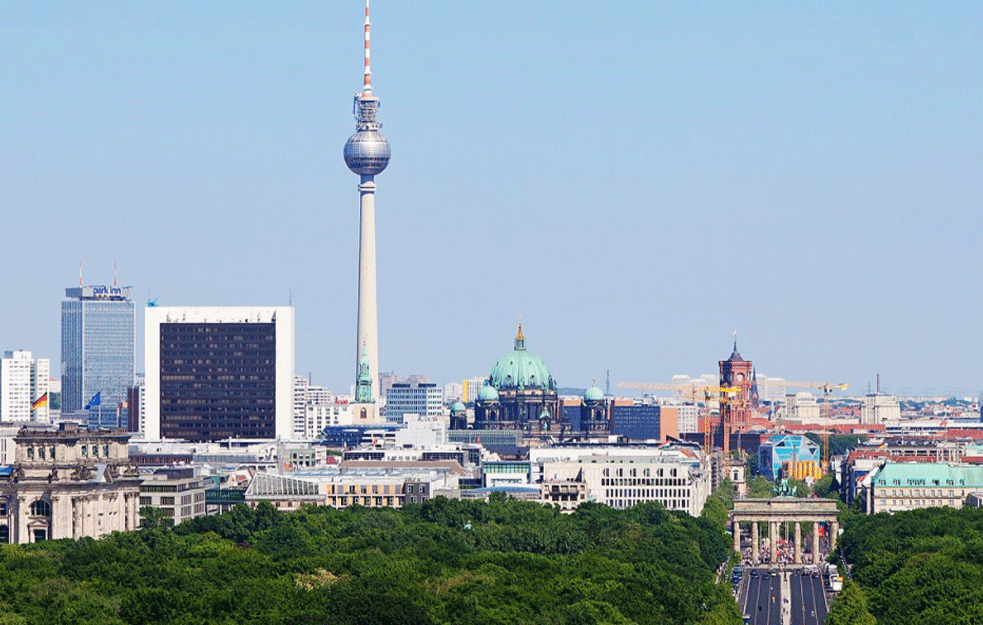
[740,377]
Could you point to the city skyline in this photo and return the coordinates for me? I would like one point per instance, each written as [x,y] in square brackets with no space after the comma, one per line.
[637,182]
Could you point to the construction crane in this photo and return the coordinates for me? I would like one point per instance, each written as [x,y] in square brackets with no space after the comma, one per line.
[710,394]
[827,389]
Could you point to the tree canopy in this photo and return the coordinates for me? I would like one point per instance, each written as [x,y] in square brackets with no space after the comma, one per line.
[921,566]
[441,562]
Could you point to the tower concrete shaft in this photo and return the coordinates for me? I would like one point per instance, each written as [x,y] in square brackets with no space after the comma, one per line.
[368,309]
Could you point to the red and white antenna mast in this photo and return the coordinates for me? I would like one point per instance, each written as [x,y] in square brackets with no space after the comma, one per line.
[367,78]
[80,273]
[114,273]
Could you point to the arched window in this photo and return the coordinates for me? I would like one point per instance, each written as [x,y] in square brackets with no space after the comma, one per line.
[40,508]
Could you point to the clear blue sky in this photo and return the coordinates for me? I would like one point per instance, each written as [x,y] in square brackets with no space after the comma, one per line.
[636,179]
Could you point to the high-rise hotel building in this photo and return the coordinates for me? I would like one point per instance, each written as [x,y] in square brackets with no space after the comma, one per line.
[97,348]
[216,374]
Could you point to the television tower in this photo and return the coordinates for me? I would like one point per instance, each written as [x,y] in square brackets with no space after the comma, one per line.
[367,154]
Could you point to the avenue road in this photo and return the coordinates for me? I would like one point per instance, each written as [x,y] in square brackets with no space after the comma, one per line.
[795,597]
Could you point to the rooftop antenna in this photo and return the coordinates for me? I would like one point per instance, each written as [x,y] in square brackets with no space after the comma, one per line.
[114,272]
[607,384]
[80,273]
[878,383]
[367,78]
[290,297]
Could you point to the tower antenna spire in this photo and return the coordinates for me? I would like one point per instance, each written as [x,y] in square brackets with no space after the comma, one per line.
[367,78]
[114,273]
[80,273]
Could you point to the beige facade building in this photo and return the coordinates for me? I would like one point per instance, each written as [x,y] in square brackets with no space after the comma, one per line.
[68,483]
[179,493]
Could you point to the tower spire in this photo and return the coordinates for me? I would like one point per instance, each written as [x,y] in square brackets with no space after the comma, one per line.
[367,78]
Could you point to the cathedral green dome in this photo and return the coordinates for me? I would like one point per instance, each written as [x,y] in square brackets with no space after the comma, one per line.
[593,394]
[487,392]
[458,406]
[520,368]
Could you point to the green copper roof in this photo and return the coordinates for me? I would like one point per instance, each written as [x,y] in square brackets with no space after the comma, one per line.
[593,394]
[458,406]
[520,369]
[487,392]
[928,474]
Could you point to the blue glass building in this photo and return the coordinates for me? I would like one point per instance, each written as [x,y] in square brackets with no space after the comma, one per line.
[97,351]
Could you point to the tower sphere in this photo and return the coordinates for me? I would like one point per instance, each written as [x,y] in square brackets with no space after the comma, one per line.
[367,152]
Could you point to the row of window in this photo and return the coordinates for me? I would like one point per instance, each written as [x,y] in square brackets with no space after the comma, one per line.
[926,492]
[620,472]
[643,481]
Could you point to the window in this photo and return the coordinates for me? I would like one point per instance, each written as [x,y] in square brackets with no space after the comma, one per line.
[4,534]
[40,508]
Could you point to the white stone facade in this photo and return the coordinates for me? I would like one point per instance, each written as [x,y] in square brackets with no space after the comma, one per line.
[68,483]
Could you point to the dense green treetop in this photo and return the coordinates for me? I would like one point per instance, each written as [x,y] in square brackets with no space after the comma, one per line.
[921,566]
[441,562]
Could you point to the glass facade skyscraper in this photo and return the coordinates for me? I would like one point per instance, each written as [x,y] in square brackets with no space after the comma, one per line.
[97,350]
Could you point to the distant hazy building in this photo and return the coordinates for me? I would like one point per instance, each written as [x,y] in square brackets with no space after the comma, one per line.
[24,387]
[802,407]
[453,391]
[97,350]
[219,373]
[878,408]
[771,389]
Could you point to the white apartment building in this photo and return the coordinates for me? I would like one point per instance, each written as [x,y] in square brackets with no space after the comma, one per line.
[308,423]
[24,382]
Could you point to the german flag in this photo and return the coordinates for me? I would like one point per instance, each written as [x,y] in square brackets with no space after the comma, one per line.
[40,401]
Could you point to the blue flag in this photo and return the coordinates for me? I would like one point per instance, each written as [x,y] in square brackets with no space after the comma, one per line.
[95,401]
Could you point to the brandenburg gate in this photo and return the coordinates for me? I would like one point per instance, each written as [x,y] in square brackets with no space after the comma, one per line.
[778,510]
